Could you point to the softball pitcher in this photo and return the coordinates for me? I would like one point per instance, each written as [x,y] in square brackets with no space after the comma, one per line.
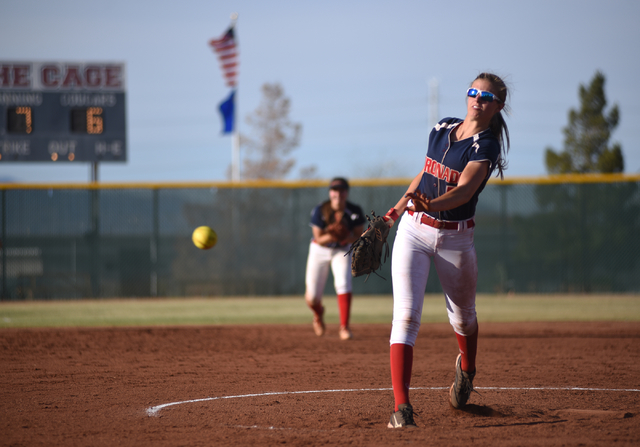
[437,225]
[336,224]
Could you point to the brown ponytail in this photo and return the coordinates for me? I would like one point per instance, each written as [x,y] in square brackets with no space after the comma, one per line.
[498,125]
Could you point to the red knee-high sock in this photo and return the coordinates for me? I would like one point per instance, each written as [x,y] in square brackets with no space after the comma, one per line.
[344,306]
[401,364]
[468,348]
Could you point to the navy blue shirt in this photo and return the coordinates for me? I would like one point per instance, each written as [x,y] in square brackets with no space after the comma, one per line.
[445,162]
[353,217]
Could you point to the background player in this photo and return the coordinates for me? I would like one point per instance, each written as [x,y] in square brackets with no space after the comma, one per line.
[440,204]
[336,224]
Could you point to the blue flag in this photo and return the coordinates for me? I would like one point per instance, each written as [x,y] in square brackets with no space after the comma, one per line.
[227,109]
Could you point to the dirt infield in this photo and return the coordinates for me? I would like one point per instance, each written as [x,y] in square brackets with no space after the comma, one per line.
[273,385]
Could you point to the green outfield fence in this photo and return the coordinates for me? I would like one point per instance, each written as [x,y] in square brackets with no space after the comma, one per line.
[560,234]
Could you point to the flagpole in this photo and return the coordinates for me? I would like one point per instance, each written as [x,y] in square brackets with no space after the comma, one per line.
[235,147]
[226,49]
[235,138]
[235,156]
[433,102]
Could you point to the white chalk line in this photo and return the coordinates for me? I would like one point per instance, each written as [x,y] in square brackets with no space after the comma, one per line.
[153,411]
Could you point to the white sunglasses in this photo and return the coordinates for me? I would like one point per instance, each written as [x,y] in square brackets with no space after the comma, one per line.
[484,96]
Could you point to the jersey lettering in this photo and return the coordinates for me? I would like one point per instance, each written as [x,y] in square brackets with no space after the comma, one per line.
[447,171]
[427,164]
[441,171]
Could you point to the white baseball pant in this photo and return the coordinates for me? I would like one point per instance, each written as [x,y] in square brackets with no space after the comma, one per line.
[318,262]
[454,256]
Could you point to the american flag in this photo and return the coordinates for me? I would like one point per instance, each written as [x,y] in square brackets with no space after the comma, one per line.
[227,52]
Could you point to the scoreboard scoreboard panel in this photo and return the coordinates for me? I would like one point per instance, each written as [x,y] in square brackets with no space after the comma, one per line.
[62,112]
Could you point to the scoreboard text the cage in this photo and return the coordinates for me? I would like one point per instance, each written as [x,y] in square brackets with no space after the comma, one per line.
[62,111]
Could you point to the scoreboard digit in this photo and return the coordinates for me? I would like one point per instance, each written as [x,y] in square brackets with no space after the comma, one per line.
[88,120]
[62,111]
[19,120]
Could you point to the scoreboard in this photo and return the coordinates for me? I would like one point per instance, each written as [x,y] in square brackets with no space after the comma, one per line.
[62,111]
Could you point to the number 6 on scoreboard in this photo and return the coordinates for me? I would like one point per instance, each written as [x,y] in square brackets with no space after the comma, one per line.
[87,120]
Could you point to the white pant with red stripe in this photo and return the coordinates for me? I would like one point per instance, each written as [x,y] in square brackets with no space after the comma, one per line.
[318,262]
[454,256]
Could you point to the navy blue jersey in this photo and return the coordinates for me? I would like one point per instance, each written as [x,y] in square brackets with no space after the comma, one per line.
[445,162]
[353,217]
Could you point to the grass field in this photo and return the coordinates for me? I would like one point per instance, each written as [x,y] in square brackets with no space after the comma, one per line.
[292,310]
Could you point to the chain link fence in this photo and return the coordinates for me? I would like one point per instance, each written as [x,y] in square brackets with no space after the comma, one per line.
[550,235]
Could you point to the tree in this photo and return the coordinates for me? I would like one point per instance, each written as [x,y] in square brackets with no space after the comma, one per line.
[274,138]
[568,243]
[586,141]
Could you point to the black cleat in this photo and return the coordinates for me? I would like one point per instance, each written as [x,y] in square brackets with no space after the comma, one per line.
[403,417]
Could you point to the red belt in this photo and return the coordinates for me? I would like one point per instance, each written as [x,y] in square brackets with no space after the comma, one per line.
[444,225]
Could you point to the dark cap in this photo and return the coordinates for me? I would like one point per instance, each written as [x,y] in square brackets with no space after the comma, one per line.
[339,183]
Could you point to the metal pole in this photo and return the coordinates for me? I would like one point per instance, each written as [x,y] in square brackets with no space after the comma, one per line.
[235,144]
[506,285]
[584,276]
[94,238]
[433,103]
[154,244]
[94,172]
[95,234]
[235,156]
[3,245]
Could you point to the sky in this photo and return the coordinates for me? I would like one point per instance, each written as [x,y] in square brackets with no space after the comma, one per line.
[357,73]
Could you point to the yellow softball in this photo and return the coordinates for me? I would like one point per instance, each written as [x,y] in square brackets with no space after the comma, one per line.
[204,237]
